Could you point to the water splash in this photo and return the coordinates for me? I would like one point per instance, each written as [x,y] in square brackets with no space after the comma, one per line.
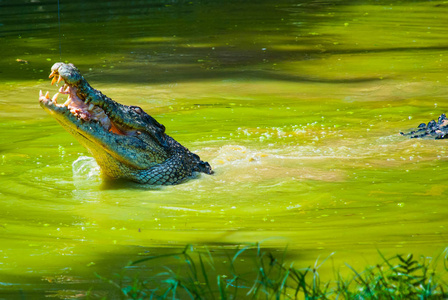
[236,155]
[85,167]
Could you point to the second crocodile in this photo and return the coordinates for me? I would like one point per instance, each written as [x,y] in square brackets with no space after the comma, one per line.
[436,130]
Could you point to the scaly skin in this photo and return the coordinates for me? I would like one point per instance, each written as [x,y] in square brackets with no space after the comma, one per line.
[125,141]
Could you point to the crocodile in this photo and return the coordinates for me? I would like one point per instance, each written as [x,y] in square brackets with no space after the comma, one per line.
[436,130]
[125,141]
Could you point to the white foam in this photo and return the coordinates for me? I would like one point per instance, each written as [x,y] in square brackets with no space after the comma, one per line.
[185,209]
[85,167]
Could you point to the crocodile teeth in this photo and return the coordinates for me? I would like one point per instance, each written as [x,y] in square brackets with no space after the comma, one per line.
[52,74]
[54,80]
[40,93]
[59,79]
[64,89]
[67,103]
[55,98]
[47,95]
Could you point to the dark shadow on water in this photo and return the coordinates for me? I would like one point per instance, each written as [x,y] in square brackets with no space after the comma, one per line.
[180,42]
[182,69]
[119,184]
[101,279]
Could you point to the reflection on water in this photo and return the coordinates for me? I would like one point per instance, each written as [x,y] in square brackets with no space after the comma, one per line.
[296,105]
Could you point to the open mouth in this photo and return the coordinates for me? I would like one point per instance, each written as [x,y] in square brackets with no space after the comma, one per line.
[76,107]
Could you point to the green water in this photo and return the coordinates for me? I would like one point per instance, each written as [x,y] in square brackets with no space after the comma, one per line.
[297,105]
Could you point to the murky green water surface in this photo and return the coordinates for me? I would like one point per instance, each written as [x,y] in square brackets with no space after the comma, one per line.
[296,104]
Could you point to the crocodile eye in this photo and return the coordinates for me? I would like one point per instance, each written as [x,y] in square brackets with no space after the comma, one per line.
[137,109]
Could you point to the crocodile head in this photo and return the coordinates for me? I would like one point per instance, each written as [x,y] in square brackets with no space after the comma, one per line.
[125,141]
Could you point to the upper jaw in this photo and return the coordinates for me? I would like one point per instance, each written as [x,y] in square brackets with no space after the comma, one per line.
[68,72]
[83,101]
[76,106]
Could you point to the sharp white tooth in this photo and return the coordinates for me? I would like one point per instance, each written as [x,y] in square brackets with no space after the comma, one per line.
[47,95]
[54,80]
[59,79]
[55,98]
[67,89]
[68,101]
[91,106]
[40,93]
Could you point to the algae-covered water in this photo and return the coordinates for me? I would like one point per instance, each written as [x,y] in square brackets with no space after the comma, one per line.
[297,105]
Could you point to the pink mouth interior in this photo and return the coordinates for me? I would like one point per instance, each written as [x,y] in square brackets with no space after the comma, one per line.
[80,109]
[83,111]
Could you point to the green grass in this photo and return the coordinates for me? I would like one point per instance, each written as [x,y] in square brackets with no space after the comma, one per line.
[253,273]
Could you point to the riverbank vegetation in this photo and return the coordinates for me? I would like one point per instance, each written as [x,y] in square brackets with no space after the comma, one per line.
[254,273]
